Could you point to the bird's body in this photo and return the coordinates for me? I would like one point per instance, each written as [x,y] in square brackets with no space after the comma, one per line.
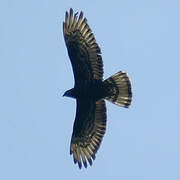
[95,90]
[90,90]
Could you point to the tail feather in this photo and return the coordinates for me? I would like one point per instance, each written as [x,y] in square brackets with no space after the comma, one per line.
[119,89]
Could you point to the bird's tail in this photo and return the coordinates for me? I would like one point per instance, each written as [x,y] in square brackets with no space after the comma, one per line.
[118,89]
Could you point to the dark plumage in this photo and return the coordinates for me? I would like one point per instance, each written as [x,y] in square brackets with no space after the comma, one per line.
[90,90]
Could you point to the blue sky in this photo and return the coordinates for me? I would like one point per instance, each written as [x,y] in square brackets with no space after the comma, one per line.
[139,37]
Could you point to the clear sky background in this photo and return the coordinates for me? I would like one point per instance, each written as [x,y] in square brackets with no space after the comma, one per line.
[139,37]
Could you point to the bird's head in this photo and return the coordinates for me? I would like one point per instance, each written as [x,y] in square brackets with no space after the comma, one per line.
[69,93]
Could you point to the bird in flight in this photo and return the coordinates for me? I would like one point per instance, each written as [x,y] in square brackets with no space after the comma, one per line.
[90,90]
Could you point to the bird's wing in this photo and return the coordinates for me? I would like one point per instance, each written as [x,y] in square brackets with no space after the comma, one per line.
[82,48]
[88,131]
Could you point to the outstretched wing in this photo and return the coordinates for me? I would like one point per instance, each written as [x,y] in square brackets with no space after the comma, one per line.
[88,131]
[82,48]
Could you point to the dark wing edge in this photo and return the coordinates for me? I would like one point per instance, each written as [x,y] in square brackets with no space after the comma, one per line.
[77,31]
[88,132]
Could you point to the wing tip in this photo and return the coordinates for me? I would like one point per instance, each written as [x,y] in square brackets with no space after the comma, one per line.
[81,156]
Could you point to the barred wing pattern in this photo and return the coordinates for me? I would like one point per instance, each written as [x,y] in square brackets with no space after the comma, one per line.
[90,122]
[83,50]
[88,131]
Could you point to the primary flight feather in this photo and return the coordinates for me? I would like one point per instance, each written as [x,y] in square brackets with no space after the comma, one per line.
[90,90]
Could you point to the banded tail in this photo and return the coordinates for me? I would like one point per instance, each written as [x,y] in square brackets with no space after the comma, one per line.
[119,89]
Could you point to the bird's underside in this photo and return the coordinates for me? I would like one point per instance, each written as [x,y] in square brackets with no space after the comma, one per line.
[90,91]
